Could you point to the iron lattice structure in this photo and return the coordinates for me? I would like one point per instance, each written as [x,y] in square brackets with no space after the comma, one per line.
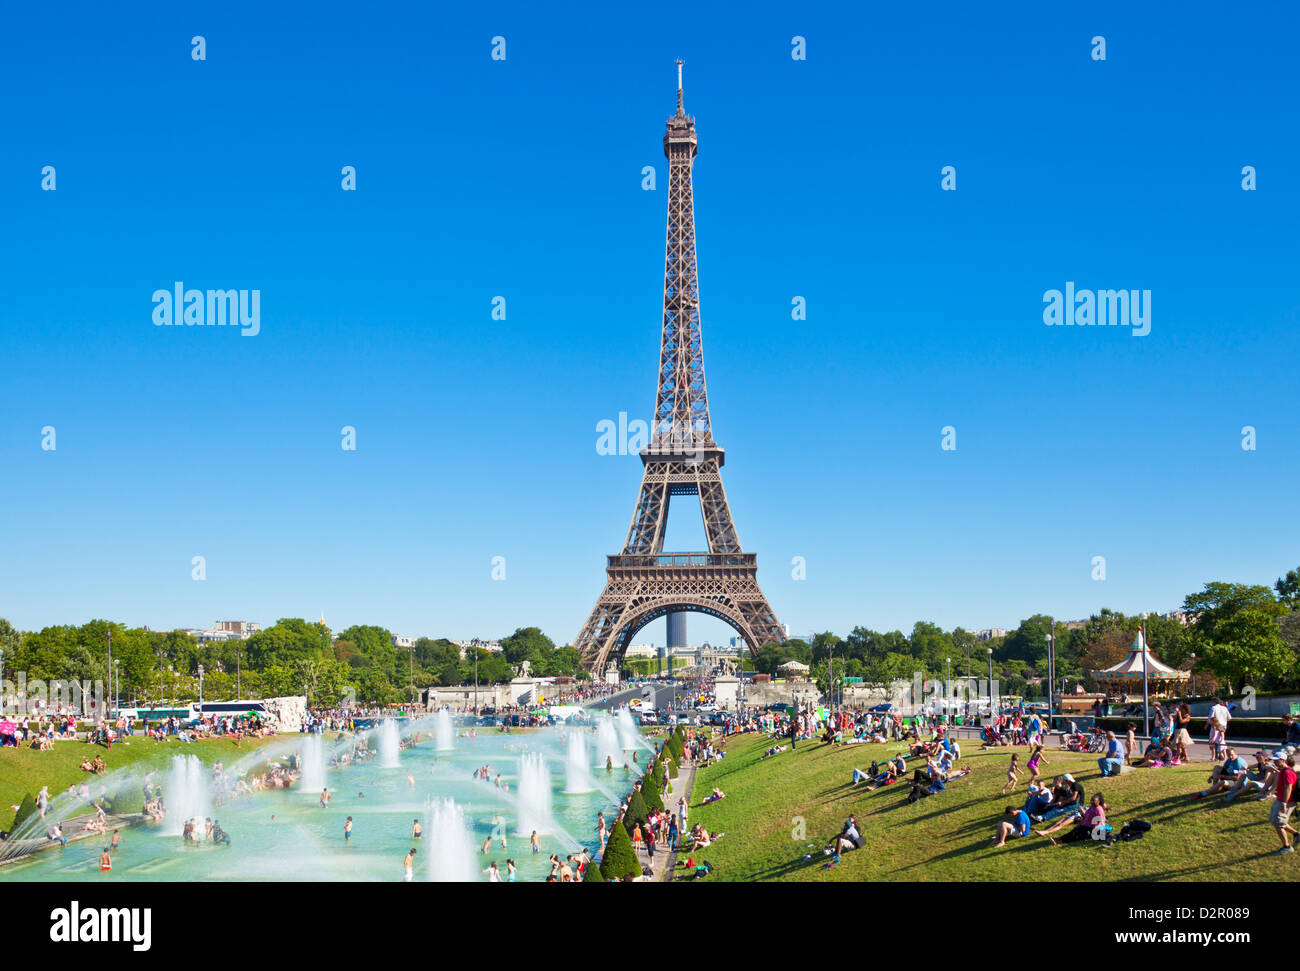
[643,583]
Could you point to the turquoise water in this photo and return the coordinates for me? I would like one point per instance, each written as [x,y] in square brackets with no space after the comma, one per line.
[284,835]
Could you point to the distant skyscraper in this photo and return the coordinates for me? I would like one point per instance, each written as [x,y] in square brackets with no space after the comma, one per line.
[677,629]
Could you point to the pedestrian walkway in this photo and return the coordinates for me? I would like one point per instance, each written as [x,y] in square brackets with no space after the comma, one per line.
[665,860]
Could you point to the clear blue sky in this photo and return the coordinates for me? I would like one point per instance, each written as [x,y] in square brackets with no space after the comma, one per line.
[522,178]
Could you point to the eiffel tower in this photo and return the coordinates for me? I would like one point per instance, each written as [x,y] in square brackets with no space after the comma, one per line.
[643,583]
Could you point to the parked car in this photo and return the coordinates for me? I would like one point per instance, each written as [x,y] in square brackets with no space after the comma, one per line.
[649,718]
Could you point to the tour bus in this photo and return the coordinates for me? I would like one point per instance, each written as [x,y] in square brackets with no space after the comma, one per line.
[191,713]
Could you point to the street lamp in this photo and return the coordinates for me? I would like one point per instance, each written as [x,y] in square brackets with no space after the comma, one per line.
[238,657]
[110,665]
[200,692]
[117,684]
[947,687]
[2,680]
[1191,672]
[991,712]
[1051,673]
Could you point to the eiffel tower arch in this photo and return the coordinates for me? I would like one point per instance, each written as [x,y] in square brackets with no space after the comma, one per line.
[644,583]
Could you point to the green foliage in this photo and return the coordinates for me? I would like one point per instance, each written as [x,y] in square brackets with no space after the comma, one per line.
[1288,589]
[1236,627]
[651,786]
[637,812]
[591,873]
[619,859]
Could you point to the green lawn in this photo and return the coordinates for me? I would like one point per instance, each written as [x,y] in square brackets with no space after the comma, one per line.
[947,836]
[24,771]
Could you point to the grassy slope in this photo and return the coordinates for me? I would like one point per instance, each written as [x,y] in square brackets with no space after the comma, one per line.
[24,771]
[947,836]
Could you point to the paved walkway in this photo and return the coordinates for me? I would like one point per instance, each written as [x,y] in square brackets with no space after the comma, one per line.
[665,860]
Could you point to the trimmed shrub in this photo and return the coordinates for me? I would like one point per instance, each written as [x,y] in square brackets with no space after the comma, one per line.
[592,873]
[636,812]
[619,859]
[651,786]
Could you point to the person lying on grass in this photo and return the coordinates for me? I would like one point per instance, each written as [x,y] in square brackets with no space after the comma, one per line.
[1230,775]
[1082,824]
[1014,826]
[774,750]
[715,796]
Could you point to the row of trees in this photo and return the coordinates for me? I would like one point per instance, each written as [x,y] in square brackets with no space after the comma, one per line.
[1239,634]
[289,657]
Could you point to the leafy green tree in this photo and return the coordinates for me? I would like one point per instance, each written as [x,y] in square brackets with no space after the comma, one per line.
[527,644]
[1288,589]
[286,641]
[1236,628]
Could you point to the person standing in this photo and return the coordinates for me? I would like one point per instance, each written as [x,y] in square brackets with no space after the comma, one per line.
[408,866]
[347,832]
[1218,726]
[1284,801]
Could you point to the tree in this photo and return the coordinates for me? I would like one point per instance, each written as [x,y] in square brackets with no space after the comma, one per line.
[591,873]
[527,644]
[286,641]
[619,859]
[1288,589]
[1237,631]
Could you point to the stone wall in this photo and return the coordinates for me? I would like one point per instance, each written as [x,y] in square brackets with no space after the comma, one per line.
[286,714]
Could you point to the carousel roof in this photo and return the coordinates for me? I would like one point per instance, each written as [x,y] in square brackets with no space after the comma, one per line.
[1132,666]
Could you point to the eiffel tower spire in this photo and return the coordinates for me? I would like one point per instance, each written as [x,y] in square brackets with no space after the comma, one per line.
[682,459]
[681,415]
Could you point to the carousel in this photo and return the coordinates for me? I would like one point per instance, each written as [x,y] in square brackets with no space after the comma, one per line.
[1124,680]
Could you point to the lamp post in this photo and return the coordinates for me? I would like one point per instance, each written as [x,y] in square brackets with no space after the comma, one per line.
[110,667]
[412,649]
[947,688]
[200,692]
[117,685]
[238,657]
[2,680]
[1051,673]
[1146,696]
[991,710]
[1191,673]
[476,680]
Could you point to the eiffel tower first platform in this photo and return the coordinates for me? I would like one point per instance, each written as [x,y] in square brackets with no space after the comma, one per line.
[643,583]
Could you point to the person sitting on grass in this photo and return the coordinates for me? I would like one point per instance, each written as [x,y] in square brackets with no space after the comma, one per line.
[1255,778]
[1230,775]
[1038,799]
[1155,755]
[1083,824]
[1014,826]
[1067,800]
[1267,783]
[848,839]
[1113,761]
